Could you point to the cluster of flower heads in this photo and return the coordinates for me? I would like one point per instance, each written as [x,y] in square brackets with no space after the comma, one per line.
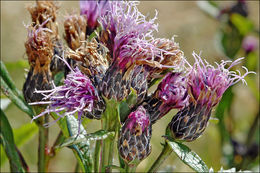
[133,58]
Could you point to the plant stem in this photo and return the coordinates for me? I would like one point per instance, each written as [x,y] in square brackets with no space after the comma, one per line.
[110,122]
[54,149]
[43,145]
[97,156]
[164,154]
[130,169]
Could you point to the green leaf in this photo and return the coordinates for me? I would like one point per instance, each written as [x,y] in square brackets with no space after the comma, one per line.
[224,106]
[21,136]
[4,103]
[231,170]
[69,127]
[25,133]
[58,78]
[124,107]
[21,104]
[189,157]
[243,24]
[6,77]
[82,149]
[7,140]
[98,135]
[230,40]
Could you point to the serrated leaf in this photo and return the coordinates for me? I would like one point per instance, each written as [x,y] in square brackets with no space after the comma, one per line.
[189,157]
[7,140]
[98,135]
[21,104]
[82,149]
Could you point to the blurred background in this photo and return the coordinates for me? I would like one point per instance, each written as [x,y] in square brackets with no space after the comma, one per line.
[232,142]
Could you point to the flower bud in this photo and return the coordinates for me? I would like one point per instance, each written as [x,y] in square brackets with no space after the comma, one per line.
[134,139]
[170,94]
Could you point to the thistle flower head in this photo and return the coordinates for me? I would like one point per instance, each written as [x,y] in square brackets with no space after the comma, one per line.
[76,95]
[134,140]
[93,9]
[127,33]
[39,47]
[207,83]
[170,94]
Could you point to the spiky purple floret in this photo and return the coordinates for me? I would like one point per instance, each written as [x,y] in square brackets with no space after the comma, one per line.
[93,9]
[130,33]
[206,83]
[173,91]
[140,117]
[76,95]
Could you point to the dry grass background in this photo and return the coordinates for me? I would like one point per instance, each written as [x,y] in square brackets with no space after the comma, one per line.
[195,31]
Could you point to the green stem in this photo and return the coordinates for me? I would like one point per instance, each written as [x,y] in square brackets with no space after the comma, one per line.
[110,122]
[130,169]
[164,154]
[97,156]
[54,149]
[43,144]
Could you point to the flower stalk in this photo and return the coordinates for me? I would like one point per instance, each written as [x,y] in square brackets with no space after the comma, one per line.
[161,158]
[43,143]
[110,122]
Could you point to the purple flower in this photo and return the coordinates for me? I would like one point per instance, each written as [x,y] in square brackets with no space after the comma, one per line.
[207,83]
[128,33]
[139,117]
[172,91]
[93,10]
[170,94]
[134,139]
[76,95]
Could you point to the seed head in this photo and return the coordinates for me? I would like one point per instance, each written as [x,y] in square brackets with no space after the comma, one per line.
[75,31]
